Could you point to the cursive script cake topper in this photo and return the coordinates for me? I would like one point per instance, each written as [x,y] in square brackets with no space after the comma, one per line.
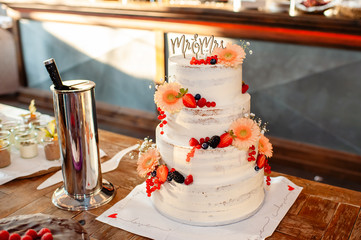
[197,44]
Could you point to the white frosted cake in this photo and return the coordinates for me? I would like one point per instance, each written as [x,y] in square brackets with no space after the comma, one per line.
[207,167]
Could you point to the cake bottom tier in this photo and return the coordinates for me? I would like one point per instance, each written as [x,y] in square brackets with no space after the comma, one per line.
[211,205]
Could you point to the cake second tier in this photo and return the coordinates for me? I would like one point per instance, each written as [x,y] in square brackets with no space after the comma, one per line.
[204,122]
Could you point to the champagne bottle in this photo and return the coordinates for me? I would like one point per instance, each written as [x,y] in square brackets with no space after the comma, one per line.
[54,74]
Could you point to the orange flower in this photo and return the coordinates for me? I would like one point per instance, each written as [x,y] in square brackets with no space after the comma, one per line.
[148,161]
[230,56]
[166,97]
[246,133]
[265,147]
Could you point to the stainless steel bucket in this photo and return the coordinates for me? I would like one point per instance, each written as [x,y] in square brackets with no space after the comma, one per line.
[76,121]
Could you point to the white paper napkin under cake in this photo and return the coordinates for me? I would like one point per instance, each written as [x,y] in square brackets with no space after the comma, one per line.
[136,214]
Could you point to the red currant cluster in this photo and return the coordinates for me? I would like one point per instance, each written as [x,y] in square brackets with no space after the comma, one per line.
[153,184]
[268,180]
[30,234]
[162,117]
[209,60]
[267,170]
[251,154]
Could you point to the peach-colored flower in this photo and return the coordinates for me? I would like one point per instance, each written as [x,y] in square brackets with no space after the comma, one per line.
[230,56]
[246,133]
[265,147]
[166,97]
[147,161]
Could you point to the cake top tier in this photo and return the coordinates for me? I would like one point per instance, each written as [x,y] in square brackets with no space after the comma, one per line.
[217,82]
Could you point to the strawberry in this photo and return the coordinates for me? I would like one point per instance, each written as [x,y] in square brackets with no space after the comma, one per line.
[202,102]
[43,231]
[27,237]
[226,140]
[4,235]
[162,173]
[189,101]
[261,159]
[188,180]
[32,233]
[244,88]
[14,236]
[47,236]
[193,142]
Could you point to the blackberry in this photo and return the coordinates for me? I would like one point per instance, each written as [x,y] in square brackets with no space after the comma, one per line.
[197,96]
[213,61]
[205,145]
[154,173]
[214,141]
[178,177]
[170,177]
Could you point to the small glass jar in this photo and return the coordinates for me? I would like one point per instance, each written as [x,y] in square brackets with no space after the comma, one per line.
[51,148]
[4,135]
[29,118]
[28,145]
[22,129]
[39,126]
[10,126]
[5,156]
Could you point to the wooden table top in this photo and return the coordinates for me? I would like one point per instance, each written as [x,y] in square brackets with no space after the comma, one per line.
[320,212]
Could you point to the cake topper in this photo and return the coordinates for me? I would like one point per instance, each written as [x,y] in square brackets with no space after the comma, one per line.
[197,45]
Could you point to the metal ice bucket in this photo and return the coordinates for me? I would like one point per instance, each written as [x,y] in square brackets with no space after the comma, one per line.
[76,121]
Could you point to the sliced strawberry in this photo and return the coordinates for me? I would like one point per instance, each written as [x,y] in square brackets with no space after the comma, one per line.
[188,180]
[244,88]
[226,140]
[162,173]
[193,142]
[202,102]
[261,159]
[189,101]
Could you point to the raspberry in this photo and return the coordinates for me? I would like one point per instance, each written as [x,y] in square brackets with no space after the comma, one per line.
[202,102]
[47,236]
[188,180]
[14,236]
[43,231]
[27,237]
[4,235]
[193,142]
[32,233]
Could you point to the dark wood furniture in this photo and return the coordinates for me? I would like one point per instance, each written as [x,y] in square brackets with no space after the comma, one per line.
[320,212]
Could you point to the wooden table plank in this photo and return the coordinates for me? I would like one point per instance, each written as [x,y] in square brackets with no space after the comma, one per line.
[342,223]
[356,232]
[318,209]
